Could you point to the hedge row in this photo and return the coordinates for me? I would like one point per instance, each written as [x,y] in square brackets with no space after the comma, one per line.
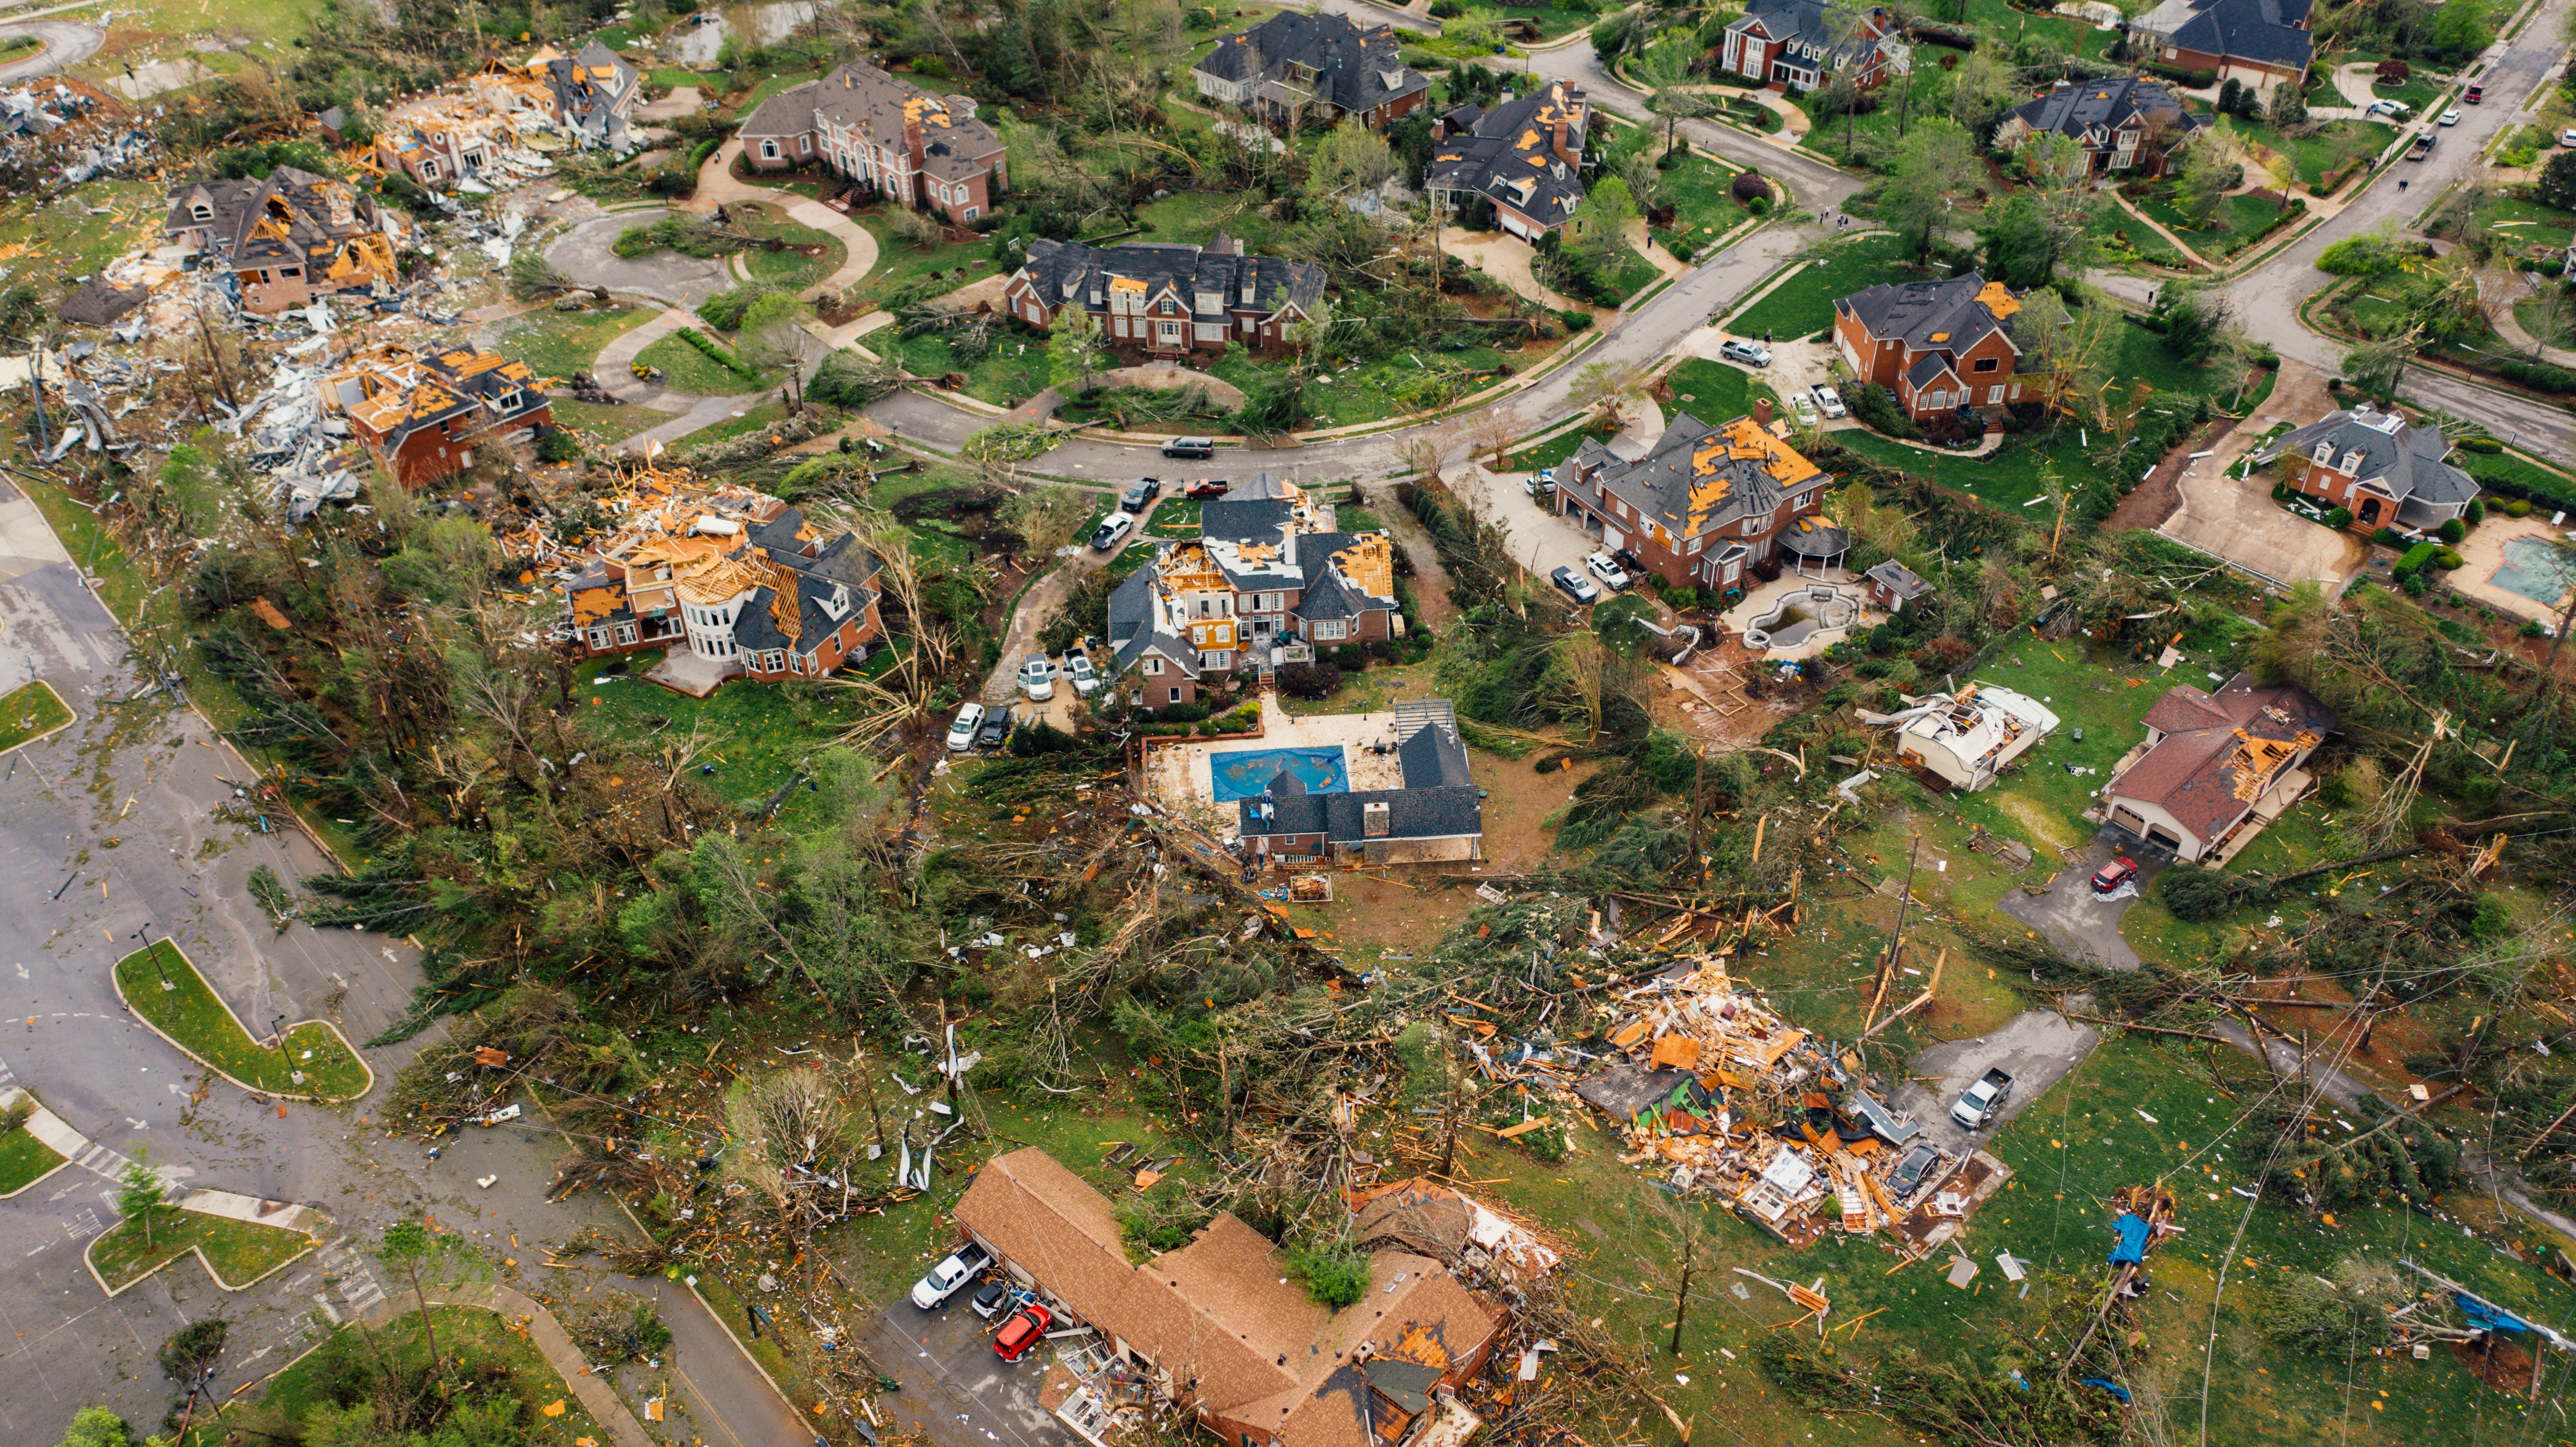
[2539,376]
[715,352]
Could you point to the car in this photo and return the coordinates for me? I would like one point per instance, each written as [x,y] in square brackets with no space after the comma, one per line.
[2450,117]
[1805,409]
[1751,354]
[2390,108]
[997,729]
[1206,488]
[2424,145]
[2475,94]
[2118,872]
[1829,401]
[1901,1182]
[1576,586]
[1037,677]
[990,1299]
[1113,530]
[1136,499]
[1607,570]
[1077,666]
[1629,562]
[1021,1334]
[2567,138]
[1544,477]
[961,734]
[951,1275]
[1190,447]
[1978,1105]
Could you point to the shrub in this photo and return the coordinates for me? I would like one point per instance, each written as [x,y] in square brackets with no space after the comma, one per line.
[2448,558]
[2517,509]
[2417,558]
[1750,186]
[2392,72]
[2414,585]
[2197,896]
[1335,1277]
[2539,376]
[1309,680]
[1681,600]
[1876,409]
[558,446]
[2485,446]
[2531,628]
[2452,531]
[1575,320]
[2476,512]
[1183,713]
[2339,518]
[724,311]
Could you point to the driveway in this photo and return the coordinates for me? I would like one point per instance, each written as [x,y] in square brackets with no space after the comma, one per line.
[1541,540]
[587,255]
[2073,919]
[955,1392]
[67,43]
[1039,603]
[2236,519]
[2036,1047]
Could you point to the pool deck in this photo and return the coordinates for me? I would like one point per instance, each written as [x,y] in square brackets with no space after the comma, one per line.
[1181,778]
[2482,552]
[1764,596]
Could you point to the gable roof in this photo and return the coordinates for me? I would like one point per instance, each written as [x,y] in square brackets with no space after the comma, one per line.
[1049,268]
[1950,315]
[2397,457]
[1511,155]
[2093,110]
[1354,69]
[290,216]
[1809,33]
[1697,477]
[2221,751]
[886,112]
[1898,579]
[2258,30]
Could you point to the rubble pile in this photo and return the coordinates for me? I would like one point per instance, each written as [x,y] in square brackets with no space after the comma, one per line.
[78,134]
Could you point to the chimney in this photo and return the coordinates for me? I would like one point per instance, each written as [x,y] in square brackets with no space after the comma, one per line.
[1563,154]
[1762,411]
[1374,819]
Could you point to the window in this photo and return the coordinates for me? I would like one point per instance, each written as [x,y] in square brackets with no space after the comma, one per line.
[1176,693]
[1801,504]
[769,150]
[1994,396]
[1985,364]
[1153,665]
[1331,628]
[772,661]
[1694,544]
[804,145]
[1752,523]
[970,212]
[599,638]
[625,632]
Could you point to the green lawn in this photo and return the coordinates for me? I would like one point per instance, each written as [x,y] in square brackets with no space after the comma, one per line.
[752,420]
[687,369]
[25,1160]
[1012,373]
[758,732]
[1196,217]
[602,423]
[484,1349]
[901,266]
[2235,225]
[1696,188]
[1712,391]
[794,270]
[1803,305]
[1554,450]
[2331,145]
[31,710]
[238,1252]
[2129,237]
[564,344]
[164,988]
[2529,227]
[1356,392]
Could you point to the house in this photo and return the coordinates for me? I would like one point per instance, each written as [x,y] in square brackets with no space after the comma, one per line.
[1792,45]
[285,239]
[1939,346]
[1430,1219]
[2262,43]
[421,415]
[2377,466]
[1267,578]
[1297,67]
[2121,124]
[1223,1327]
[1436,815]
[1701,506]
[747,582]
[2215,768]
[444,140]
[1967,740]
[927,152]
[1522,161]
[1891,585]
[590,96]
[1167,300]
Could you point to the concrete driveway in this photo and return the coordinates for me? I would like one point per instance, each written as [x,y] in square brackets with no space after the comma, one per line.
[587,254]
[67,43]
[2236,519]
[956,1393]
[2036,1047]
[1541,540]
[2076,921]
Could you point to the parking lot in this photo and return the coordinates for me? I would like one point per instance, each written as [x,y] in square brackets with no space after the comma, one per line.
[956,1392]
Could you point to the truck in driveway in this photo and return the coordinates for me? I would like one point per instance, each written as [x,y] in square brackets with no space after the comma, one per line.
[1982,1100]
[2423,147]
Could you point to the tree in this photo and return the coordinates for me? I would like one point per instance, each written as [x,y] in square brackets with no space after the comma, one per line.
[98,1427]
[1611,38]
[1075,348]
[2196,319]
[142,1196]
[2557,184]
[1980,87]
[1604,388]
[2231,97]
[1935,164]
[1351,156]
[1046,517]
[189,1357]
[1492,430]
[1691,1250]
[1413,144]
[2460,31]
[1601,225]
[773,330]
[2061,177]
[2070,349]
[407,1246]
[2377,367]
[1480,29]
[2289,107]
[2209,172]
[1665,68]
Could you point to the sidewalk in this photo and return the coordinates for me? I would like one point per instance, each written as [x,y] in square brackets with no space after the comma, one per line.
[2158,227]
[284,1215]
[549,1337]
[49,1131]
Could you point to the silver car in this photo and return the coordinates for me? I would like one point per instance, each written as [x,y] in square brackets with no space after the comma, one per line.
[1077,666]
[1830,400]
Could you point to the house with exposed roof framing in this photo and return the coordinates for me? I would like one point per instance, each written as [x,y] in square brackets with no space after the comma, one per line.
[1296,67]
[1967,739]
[1522,160]
[1939,346]
[2384,470]
[1793,45]
[421,415]
[285,239]
[924,151]
[2260,42]
[1223,1327]
[1699,507]
[590,96]
[736,583]
[2214,769]
[2122,124]
[1434,815]
[1164,299]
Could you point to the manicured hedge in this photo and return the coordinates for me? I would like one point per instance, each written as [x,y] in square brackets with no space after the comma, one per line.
[2539,376]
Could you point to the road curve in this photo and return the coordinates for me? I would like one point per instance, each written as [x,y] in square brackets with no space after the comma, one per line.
[67,43]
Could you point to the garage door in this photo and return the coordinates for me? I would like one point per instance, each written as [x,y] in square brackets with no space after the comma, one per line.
[1513,225]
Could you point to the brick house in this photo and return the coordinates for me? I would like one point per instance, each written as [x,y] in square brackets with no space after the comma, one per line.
[1790,45]
[1163,299]
[2211,764]
[1940,346]
[2383,470]
[924,151]
[2259,42]
[1224,1328]
[422,414]
[1296,66]
[2121,124]
[738,578]
[1891,585]
[1701,506]
[1436,815]
[590,96]
[285,239]
[1522,161]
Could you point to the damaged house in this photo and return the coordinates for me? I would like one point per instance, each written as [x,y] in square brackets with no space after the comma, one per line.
[421,415]
[1167,300]
[590,96]
[1222,1327]
[2376,466]
[285,239]
[1701,506]
[2214,769]
[1522,161]
[927,152]
[1295,67]
[1969,739]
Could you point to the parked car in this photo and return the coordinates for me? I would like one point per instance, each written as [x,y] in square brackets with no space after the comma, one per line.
[1829,400]
[1901,1182]
[2567,138]
[1021,1334]
[1629,562]
[1206,488]
[1113,530]
[2111,876]
[2393,109]
[1037,677]
[2424,144]
[1983,1099]
[2476,94]
[1190,447]
[1136,498]
[989,1301]
[1544,477]
[1751,354]
[961,734]
[1077,666]
[1805,409]
[2450,117]
[951,1275]
[997,729]
[1576,586]
[1607,570]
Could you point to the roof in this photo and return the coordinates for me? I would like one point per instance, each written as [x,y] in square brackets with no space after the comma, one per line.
[1028,1207]
[1898,579]
[2258,30]
[1945,316]
[289,216]
[1807,27]
[1511,155]
[1244,520]
[1813,536]
[2221,750]
[1354,69]
[727,543]
[1978,723]
[1697,477]
[1061,271]
[2396,456]
[1439,799]
[859,97]
[2093,111]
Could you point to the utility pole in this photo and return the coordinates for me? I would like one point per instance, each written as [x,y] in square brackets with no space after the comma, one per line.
[1449,1120]
[1896,941]
[1699,776]
[36,371]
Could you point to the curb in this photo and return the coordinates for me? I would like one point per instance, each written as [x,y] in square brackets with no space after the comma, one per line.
[313,1098]
[35,739]
[311,1244]
[7,1098]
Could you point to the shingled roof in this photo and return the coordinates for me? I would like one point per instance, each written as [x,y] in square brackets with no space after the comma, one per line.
[1439,799]
[2258,30]
[1805,25]
[2221,751]
[1950,315]
[1354,69]
[2093,111]
[1697,477]
[859,97]
[289,217]
[1511,156]
[1069,271]
[2397,457]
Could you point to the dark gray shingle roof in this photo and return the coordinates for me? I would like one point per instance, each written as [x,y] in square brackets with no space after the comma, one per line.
[2403,460]
[2091,111]
[1355,69]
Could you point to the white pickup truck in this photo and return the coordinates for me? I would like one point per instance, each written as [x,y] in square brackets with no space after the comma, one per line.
[1982,1100]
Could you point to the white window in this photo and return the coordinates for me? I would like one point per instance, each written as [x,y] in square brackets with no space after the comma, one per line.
[1752,523]
[1176,693]
[1331,628]
[971,210]
[1801,504]
[1694,544]
[769,150]
[599,638]
[772,661]
[1731,570]
[1153,665]
[625,632]
[804,145]
[1994,395]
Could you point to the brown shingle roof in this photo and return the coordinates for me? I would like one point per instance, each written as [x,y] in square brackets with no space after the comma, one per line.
[2222,750]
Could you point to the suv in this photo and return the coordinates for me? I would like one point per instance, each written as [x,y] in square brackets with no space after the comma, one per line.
[996,731]
[1190,447]
[950,1276]
[1606,570]
[961,734]
[1077,666]
[2475,95]
[2118,872]
[1137,498]
[1750,354]
[1830,400]
[1909,1172]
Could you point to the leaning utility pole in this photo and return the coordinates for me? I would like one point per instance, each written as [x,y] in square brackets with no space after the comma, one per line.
[1896,941]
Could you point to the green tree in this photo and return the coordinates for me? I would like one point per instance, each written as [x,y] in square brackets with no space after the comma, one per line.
[142,1196]
[2208,173]
[2462,30]
[1075,348]
[775,339]
[2289,107]
[1601,226]
[1665,68]
[2557,184]
[98,1427]
[407,1246]
[1351,156]
[1481,29]
[1981,86]
[2377,367]
[1934,165]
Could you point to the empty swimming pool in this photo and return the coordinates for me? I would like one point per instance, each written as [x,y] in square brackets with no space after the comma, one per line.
[2532,568]
[1244,774]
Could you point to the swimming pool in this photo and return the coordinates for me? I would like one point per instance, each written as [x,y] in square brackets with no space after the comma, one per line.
[1244,774]
[2532,569]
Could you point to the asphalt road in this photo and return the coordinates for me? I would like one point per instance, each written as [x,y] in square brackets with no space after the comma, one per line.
[67,43]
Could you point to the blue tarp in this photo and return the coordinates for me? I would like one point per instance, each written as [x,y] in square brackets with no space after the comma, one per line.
[2486,1316]
[2132,1247]
[2104,1382]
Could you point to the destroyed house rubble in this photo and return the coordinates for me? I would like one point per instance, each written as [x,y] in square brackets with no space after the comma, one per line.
[423,414]
[287,238]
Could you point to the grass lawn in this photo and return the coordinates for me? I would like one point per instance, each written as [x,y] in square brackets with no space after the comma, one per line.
[68,240]
[2528,225]
[1554,450]
[1696,188]
[902,266]
[564,344]
[752,420]
[489,1351]
[1712,391]
[1550,21]
[2130,237]
[2332,144]
[1195,217]
[687,369]
[601,423]
[2235,225]
[29,711]
[759,731]
[1352,393]
[771,85]
[25,1160]
[1014,372]
[794,270]
[1803,305]
[189,1011]
[238,1252]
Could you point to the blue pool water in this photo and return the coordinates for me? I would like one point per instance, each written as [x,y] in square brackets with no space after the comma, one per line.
[2531,568]
[1244,774]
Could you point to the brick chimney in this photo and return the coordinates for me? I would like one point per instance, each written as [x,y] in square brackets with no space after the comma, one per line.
[1374,819]
[1563,152]
[1762,411]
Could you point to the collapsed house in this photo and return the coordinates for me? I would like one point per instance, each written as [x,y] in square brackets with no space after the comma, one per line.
[1224,1329]
[422,415]
[1466,1235]
[284,239]
[590,97]
[1967,739]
